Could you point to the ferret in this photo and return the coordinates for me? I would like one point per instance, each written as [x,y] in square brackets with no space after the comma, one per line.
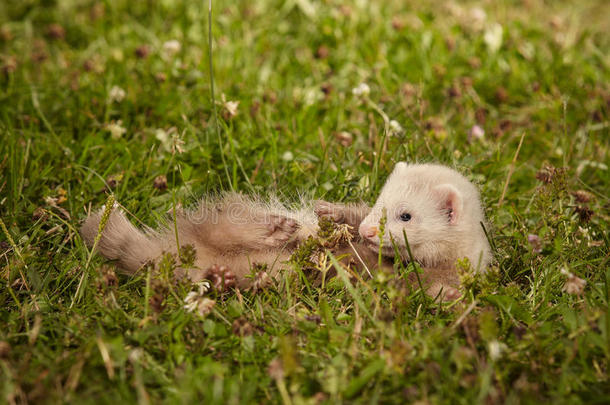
[437,208]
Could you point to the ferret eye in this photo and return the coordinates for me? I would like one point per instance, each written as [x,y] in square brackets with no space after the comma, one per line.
[406,217]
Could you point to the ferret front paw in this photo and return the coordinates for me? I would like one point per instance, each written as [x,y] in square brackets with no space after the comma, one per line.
[279,230]
[325,209]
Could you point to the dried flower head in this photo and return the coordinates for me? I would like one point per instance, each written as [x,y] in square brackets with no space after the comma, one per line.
[54,203]
[261,281]
[160,182]
[398,23]
[56,31]
[40,214]
[9,64]
[584,213]
[534,240]
[501,94]
[142,51]
[327,89]
[114,179]
[545,175]
[549,174]
[109,278]
[157,300]
[344,138]
[454,91]
[242,327]
[574,285]
[582,196]
[408,90]
[221,277]
[276,369]
[322,52]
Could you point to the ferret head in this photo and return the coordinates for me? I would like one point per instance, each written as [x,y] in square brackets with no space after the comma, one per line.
[427,203]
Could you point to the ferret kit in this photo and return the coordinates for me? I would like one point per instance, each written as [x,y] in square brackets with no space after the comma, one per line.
[436,208]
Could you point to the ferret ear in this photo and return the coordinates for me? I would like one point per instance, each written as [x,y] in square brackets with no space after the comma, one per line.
[401,166]
[449,200]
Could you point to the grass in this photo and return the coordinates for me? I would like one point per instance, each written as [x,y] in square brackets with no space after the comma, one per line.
[437,68]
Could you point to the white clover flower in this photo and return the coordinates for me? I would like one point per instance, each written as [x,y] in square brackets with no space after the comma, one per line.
[311,95]
[170,48]
[116,129]
[287,156]
[196,302]
[362,89]
[191,300]
[229,107]
[203,287]
[162,136]
[201,305]
[493,37]
[495,349]
[116,94]
[395,127]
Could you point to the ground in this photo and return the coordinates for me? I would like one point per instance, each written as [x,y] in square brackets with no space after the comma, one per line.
[313,98]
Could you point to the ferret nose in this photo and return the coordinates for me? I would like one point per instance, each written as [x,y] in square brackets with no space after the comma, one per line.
[368,231]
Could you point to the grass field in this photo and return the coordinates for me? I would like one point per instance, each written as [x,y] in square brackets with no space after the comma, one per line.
[317,98]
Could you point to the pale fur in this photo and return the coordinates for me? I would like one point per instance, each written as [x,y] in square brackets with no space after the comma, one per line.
[237,231]
[232,230]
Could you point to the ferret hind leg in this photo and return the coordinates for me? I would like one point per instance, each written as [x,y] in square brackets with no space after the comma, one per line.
[236,224]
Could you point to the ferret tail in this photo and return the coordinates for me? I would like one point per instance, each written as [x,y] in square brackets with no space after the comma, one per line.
[121,241]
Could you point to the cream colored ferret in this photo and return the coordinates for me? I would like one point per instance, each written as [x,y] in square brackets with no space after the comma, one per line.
[438,209]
